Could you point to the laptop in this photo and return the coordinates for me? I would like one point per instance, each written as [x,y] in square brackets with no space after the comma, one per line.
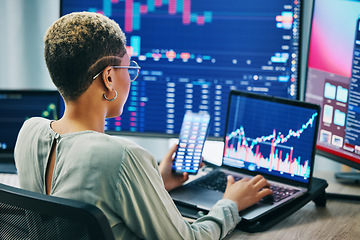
[265,135]
[15,107]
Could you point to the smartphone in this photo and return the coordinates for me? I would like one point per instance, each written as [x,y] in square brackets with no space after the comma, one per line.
[193,133]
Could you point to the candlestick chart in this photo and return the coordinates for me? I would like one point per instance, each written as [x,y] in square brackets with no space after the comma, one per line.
[192,53]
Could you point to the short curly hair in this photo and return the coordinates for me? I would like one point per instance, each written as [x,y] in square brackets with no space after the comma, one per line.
[78,46]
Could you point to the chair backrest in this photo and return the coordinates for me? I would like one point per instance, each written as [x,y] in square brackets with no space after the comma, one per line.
[29,215]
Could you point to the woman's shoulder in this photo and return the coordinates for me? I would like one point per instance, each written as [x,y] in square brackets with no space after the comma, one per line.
[115,150]
[34,124]
[105,141]
[100,142]
[36,121]
[128,147]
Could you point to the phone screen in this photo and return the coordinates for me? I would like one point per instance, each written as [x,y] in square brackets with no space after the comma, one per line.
[192,138]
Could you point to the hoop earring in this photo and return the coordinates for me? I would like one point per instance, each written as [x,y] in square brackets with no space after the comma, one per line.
[112,99]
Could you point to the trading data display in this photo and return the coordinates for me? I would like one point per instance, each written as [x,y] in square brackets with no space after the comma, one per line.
[192,53]
[271,137]
[17,106]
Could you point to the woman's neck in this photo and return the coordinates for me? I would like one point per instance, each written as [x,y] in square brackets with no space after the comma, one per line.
[80,115]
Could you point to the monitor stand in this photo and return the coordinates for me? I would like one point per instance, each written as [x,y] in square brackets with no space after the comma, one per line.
[346,178]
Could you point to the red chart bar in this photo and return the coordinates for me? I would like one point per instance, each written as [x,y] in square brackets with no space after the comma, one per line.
[143,9]
[257,156]
[186,12]
[158,3]
[280,156]
[172,7]
[200,20]
[226,145]
[272,149]
[129,6]
[238,150]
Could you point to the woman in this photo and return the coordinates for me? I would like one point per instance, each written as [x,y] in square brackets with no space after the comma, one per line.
[73,158]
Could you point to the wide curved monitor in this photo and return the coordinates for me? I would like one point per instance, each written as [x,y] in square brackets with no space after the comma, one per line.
[333,78]
[192,53]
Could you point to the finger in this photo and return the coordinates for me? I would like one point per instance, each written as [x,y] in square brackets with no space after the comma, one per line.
[185,176]
[262,183]
[257,178]
[173,148]
[230,180]
[202,162]
[171,151]
[245,179]
[180,179]
[264,192]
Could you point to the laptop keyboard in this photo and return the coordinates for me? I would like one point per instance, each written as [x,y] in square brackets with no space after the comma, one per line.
[281,192]
[217,181]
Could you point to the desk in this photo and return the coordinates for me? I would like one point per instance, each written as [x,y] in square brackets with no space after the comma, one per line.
[338,220]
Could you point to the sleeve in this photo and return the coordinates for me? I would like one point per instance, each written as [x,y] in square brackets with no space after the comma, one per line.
[27,153]
[148,210]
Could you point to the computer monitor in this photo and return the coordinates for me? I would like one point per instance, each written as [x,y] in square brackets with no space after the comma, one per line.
[15,107]
[332,78]
[192,53]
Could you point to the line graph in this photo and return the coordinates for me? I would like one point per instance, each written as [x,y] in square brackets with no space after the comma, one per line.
[50,113]
[280,157]
[50,109]
[280,138]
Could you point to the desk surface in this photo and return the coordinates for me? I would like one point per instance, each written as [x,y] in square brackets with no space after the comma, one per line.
[338,220]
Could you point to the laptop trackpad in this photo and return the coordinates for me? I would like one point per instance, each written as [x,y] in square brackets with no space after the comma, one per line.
[201,198]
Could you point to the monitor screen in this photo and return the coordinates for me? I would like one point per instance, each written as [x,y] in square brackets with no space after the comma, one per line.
[261,136]
[332,79]
[16,106]
[192,53]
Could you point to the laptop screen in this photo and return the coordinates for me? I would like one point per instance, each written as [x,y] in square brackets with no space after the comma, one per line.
[271,136]
[16,106]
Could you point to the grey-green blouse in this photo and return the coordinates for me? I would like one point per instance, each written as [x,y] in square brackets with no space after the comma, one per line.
[116,175]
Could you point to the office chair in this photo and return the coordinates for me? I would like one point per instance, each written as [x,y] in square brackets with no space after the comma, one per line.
[29,215]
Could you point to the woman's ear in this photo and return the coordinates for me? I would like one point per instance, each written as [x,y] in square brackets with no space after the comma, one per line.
[107,78]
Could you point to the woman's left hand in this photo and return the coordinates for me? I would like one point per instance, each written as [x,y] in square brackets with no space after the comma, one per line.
[171,180]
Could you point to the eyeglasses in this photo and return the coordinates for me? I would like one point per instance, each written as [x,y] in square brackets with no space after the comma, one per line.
[133,69]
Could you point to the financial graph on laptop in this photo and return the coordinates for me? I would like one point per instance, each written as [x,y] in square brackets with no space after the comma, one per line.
[270,137]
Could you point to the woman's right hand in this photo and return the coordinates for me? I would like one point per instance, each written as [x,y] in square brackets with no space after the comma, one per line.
[246,192]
